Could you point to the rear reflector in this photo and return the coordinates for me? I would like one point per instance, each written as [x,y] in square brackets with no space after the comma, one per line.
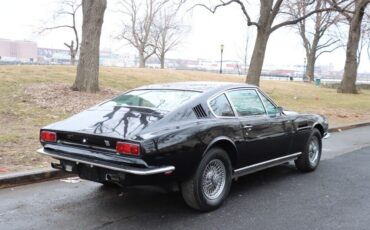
[47,136]
[128,148]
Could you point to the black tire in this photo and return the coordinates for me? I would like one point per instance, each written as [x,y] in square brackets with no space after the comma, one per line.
[192,189]
[305,162]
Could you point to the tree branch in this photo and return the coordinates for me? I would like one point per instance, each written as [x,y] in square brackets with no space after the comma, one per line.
[55,27]
[328,51]
[249,21]
[326,44]
[295,21]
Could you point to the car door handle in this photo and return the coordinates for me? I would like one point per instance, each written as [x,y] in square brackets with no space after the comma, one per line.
[248,127]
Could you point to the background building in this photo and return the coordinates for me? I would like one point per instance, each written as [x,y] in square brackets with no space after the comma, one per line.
[108,58]
[18,51]
[53,56]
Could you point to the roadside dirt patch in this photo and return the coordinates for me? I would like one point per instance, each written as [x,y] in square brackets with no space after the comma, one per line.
[59,97]
[31,108]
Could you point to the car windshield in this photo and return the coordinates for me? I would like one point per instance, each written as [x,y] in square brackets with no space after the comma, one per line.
[158,99]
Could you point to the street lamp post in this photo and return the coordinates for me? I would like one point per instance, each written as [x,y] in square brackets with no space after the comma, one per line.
[222,51]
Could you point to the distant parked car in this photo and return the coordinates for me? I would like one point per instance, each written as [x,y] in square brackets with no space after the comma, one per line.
[197,135]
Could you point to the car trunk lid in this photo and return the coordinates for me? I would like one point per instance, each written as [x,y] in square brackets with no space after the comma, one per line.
[104,126]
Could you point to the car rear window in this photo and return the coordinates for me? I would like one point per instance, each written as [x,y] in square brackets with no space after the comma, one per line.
[165,100]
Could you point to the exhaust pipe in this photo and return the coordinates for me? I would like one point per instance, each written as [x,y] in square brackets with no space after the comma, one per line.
[112,178]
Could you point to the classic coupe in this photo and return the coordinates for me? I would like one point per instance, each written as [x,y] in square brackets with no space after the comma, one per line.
[196,136]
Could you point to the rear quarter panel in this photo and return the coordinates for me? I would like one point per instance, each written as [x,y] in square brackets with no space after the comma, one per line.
[185,145]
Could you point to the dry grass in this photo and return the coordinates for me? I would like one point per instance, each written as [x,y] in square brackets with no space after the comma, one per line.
[33,96]
[340,109]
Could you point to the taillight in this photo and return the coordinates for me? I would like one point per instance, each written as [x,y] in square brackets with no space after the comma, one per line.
[47,136]
[128,148]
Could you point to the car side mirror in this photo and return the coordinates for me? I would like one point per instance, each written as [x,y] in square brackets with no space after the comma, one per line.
[279,110]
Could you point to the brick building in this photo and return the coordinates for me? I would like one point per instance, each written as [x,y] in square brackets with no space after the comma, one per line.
[19,51]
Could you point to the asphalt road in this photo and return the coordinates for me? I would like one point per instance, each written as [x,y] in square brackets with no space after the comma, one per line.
[335,196]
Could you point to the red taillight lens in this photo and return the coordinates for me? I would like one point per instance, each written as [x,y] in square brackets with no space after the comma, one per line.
[47,136]
[128,148]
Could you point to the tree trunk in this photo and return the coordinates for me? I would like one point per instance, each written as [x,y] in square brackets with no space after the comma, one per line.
[162,58]
[141,60]
[348,84]
[310,66]
[73,58]
[258,56]
[87,78]
[72,52]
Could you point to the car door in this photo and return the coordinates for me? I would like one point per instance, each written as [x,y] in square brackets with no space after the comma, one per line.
[262,134]
[282,126]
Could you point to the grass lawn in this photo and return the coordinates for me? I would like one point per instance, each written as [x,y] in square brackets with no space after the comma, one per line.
[33,96]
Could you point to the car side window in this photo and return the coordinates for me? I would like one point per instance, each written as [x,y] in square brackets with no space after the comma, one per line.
[246,102]
[221,106]
[272,111]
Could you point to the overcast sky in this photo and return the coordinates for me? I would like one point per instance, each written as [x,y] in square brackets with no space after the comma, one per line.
[20,20]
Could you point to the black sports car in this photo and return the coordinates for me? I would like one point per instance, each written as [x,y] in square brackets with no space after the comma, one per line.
[197,136]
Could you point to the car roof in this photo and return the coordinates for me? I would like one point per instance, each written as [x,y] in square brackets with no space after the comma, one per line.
[201,86]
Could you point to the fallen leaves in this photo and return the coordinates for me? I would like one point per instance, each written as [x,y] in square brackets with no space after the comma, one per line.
[59,97]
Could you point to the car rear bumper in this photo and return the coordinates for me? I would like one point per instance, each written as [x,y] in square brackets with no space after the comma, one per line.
[100,163]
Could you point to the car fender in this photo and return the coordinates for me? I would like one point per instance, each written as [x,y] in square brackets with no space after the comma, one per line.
[321,129]
[218,139]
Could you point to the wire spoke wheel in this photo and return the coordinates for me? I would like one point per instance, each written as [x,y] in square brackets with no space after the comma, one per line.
[313,151]
[309,160]
[209,186]
[213,179]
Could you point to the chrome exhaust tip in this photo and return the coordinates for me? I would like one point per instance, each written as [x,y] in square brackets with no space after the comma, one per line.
[112,177]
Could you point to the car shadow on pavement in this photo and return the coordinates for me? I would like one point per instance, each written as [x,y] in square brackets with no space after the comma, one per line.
[263,178]
[131,204]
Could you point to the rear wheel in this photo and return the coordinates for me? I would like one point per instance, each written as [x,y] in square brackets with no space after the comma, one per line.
[209,186]
[310,158]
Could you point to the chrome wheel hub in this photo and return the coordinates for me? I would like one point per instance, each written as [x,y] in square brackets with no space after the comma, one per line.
[313,151]
[213,179]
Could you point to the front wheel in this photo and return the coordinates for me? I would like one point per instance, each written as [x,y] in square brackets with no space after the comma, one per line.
[310,158]
[208,188]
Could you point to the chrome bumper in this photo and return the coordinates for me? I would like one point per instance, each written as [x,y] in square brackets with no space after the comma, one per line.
[101,164]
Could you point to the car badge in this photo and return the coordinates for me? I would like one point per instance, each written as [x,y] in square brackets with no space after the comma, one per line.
[107,143]
[84,140]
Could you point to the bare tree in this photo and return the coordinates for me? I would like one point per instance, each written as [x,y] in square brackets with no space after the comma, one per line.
[243,49]
[366,33]
[364,40]
[314,40]
[246,50]
[68,8]
[266,25]
[168,30]
[138,30]
[353,11]
[87,78]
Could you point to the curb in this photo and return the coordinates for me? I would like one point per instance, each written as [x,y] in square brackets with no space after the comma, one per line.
[23,178]
[346,127]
